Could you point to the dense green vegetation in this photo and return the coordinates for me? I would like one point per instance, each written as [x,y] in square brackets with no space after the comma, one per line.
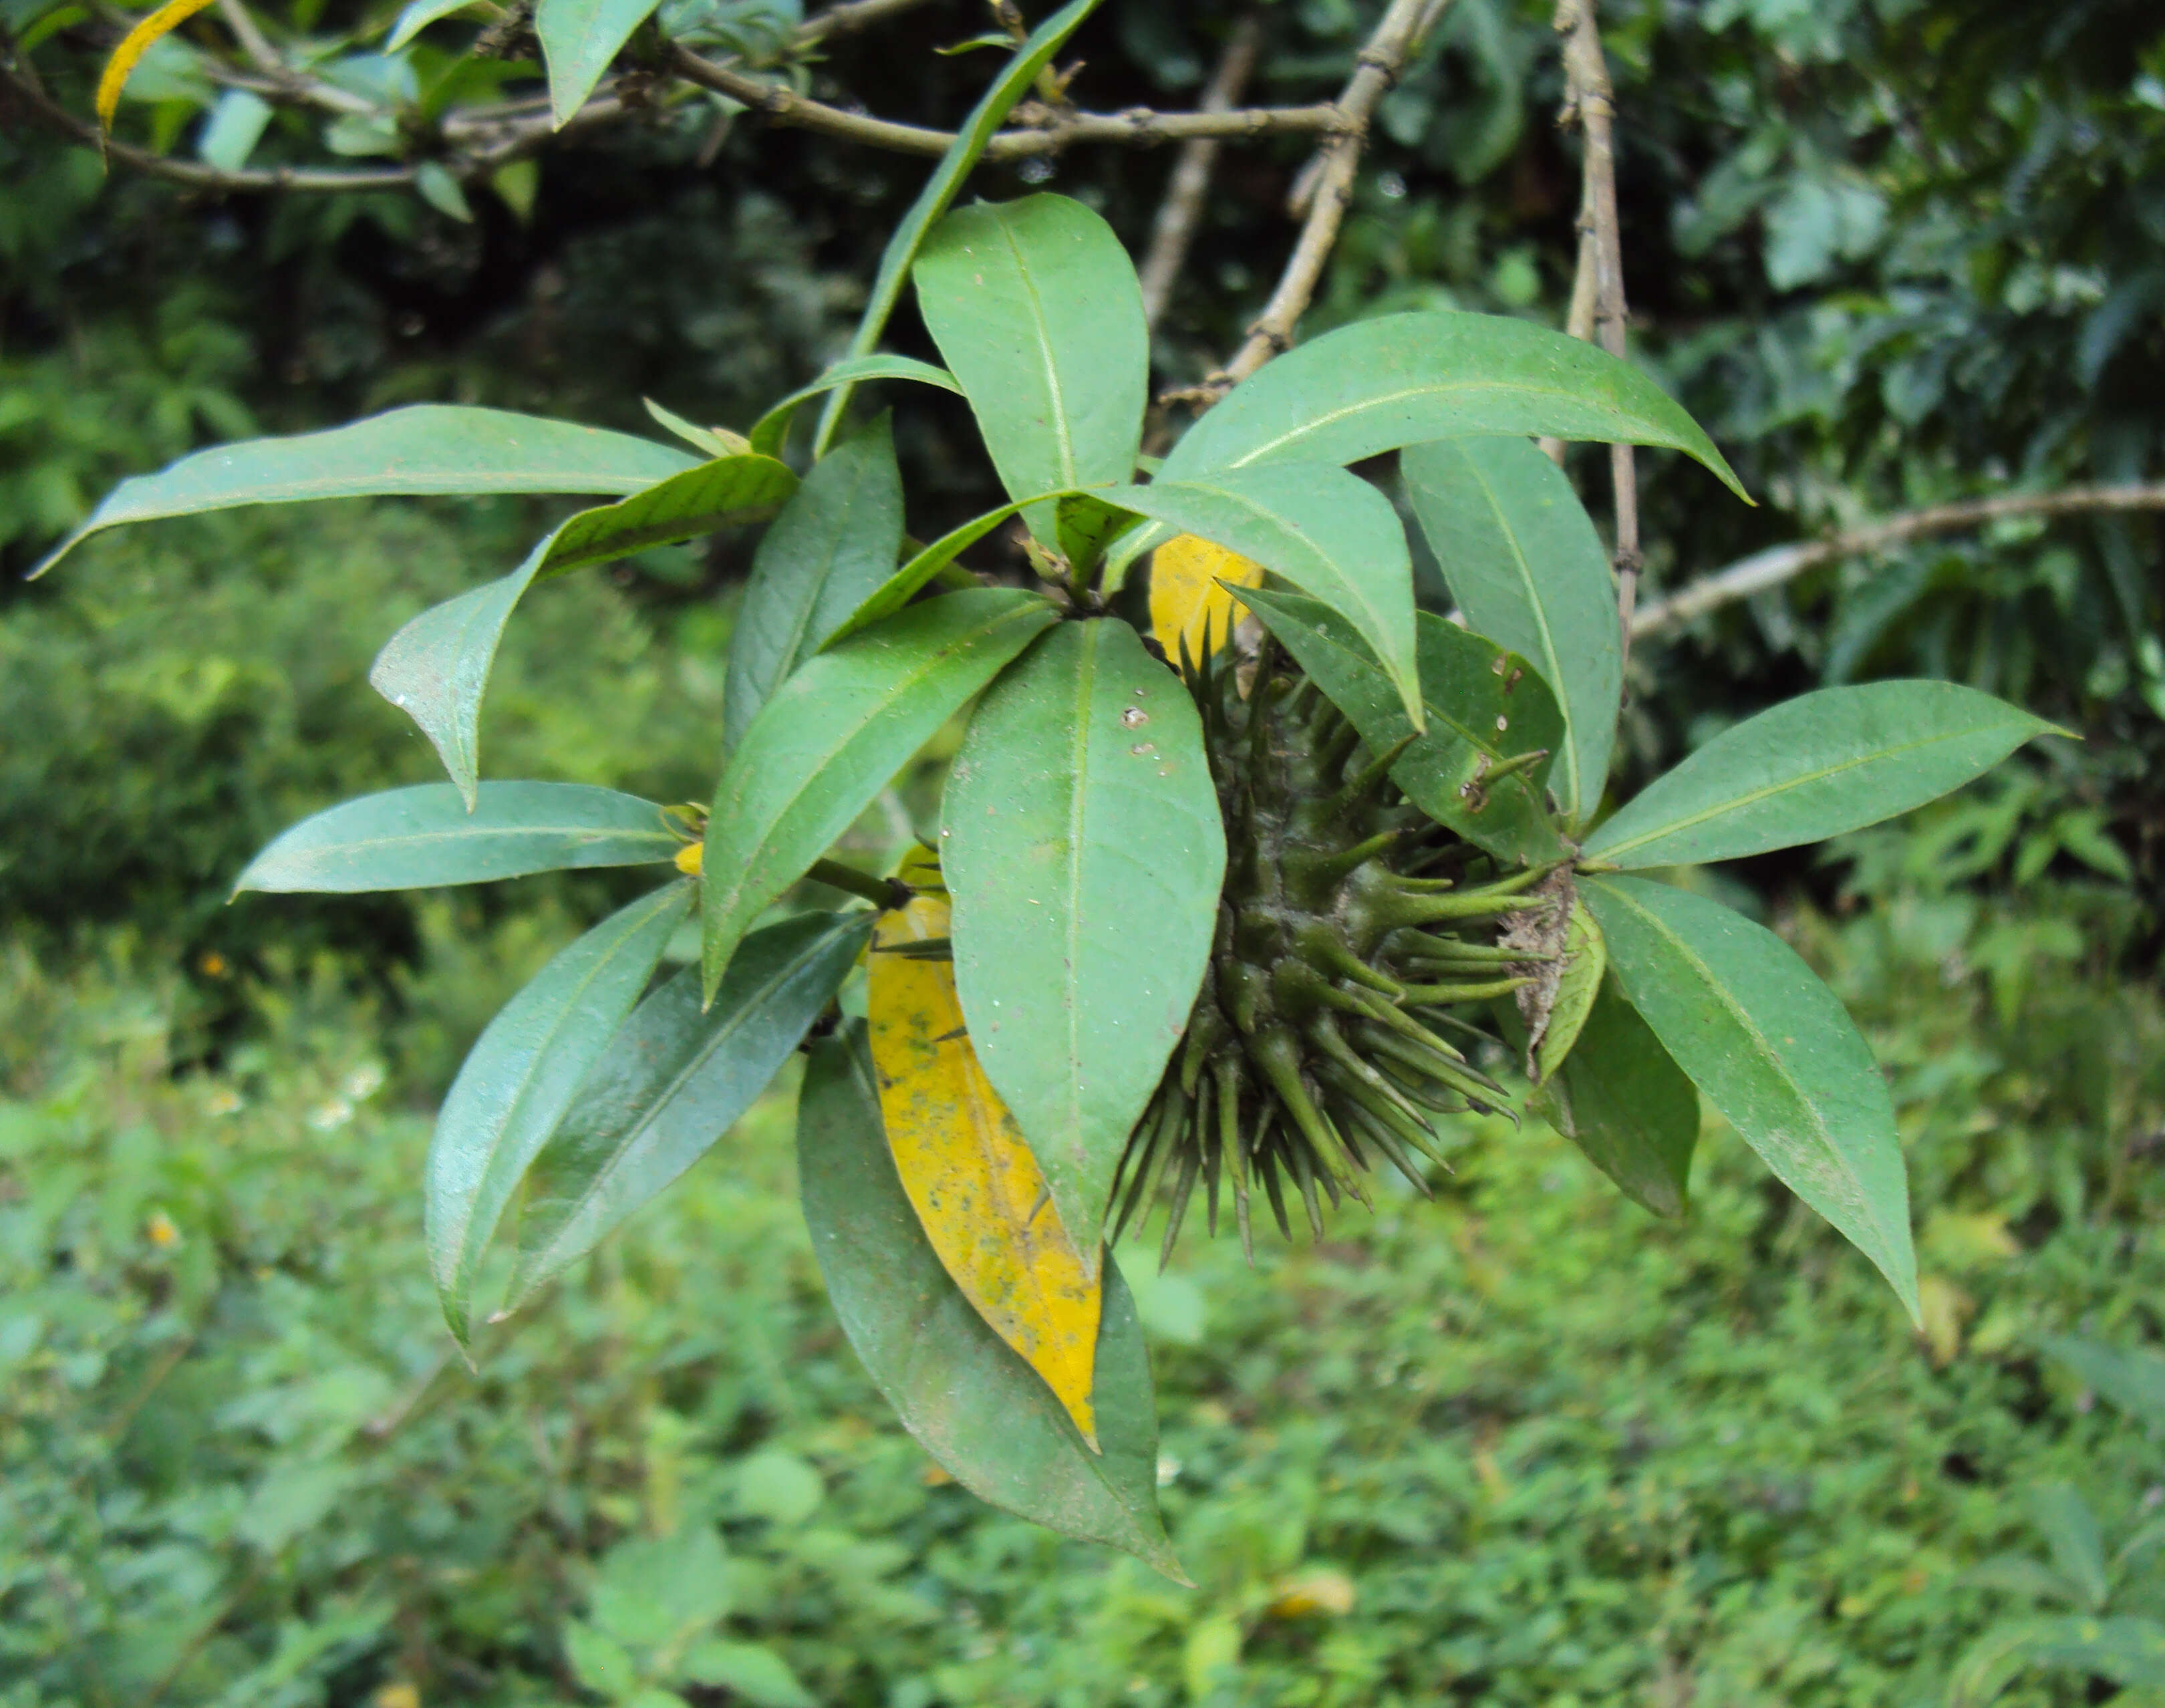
[1521,1445]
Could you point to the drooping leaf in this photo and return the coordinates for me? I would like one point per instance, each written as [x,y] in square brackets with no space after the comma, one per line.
[2128,1649]
[421,837]
[1469,686]
[831,547]
[1329,533]
[520,1077]
[425,448]
[1034,305]
[1813,766]
[1775,1052]
[436,669]
[1187,600]
[977,1408]
[1081,838]
[1405,379]
[1622,1100]
[139,41]
[1528,570]
[970,1174]
[579,38]
[721,494]
[771,432]
[827,742]
[1031,56]
[672,1082]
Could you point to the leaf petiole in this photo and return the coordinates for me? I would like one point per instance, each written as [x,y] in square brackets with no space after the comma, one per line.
[885,893]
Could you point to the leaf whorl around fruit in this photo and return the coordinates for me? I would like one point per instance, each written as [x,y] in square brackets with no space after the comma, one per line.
[1350,927]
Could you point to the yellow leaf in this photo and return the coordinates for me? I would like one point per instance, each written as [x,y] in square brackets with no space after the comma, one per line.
[977,1188]
[133,46]
[1185,599]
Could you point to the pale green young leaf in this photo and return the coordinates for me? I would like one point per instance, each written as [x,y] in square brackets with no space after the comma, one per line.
[833,735]
[1082,843]
[672,1082]
[425,448]
[519,1079]
[425,837]
[1031,56]
[1328,532]
[1404,379]
[1468,684]
[1526,568]
[1813,766]
[1034,305]
[833,546]
[981,1412]
[1774,1050]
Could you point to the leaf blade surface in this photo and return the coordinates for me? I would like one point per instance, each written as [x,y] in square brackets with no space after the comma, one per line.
[1082,841]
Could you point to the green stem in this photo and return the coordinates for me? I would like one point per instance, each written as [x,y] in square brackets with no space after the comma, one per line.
[885,893]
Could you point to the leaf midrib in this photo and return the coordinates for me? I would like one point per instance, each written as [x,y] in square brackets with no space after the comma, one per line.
[1540,614]
[1063,438]
[1315,424]
[677,1081]
[1608,851]
[1768,1053]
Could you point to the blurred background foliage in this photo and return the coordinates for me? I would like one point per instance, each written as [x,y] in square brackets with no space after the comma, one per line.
[1523,1445]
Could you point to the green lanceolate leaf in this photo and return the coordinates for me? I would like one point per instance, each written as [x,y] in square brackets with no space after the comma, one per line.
[426,448]
[1775,1052]
[579,38]
[1081,844]
[418,16]
[771,432]
[930,563]
[2070,1529]
[827,742]
[519,1078]
[718,494]
[830,549]
[1622,1100]
[421,837]
[1404,379]
[1814,766]
[972,1403]
[1526,568]
[1457,771]
[436,669]
[672,1082]
[1034,305]
[1329,533]
[985,118]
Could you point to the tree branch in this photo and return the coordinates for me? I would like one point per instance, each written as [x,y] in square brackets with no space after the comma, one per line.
[1589,100]
[1138,126]
[1782,563]
[848,19]
[1182,211]
[1323,188]
[50,112]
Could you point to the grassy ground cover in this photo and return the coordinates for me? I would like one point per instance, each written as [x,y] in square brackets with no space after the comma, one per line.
[1521,1444]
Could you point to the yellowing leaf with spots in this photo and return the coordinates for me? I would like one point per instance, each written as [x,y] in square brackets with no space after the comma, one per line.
[970,1176]
[1185,599]
[133,46]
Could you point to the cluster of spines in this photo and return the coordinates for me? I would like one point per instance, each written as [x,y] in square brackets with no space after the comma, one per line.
[1315,1043]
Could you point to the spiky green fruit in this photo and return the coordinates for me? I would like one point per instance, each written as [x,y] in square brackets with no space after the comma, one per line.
[1354,933]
